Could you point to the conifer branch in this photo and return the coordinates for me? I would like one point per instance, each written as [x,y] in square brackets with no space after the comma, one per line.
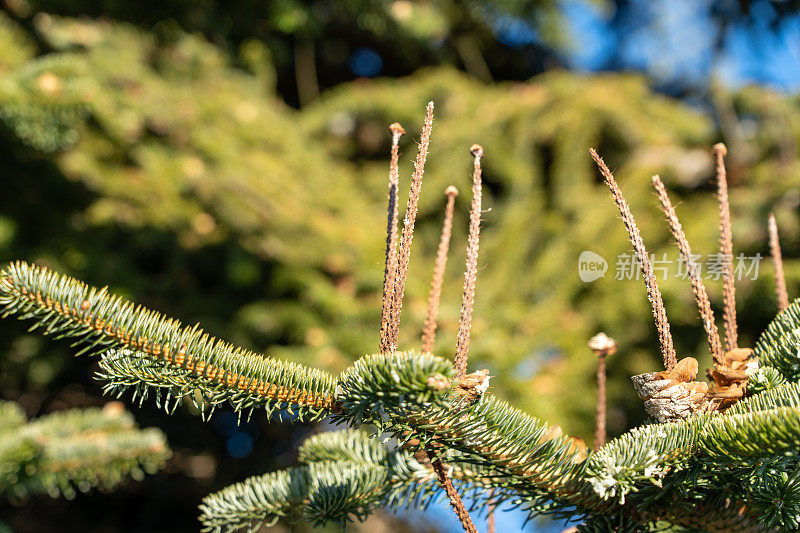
[776,349]
[726,250]
[777,263]
[651,284]
[471,274]
[429,330]
[69,308]
[517,445]
[75,449]
[347,473]
[699,289]
[353,445]
[319,492]
[390,269]
[407,236]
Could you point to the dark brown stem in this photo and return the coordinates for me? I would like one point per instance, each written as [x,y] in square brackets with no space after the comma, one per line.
[651,284]
[490,525]
[471,274]
[455,499]
[600,410]
[777,264]
[699,289]
[726,251]
[408,229]
[390,268]
[429,330]
[602,345]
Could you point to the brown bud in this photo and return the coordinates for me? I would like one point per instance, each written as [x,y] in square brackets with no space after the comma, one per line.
[602,344]
[397,129]
[720,148]
[451,191]
[476,150]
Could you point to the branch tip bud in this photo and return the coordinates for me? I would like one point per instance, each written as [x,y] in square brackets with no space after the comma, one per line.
[602,344]
[397,129]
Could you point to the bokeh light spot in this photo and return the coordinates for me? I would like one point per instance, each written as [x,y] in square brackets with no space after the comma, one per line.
[365,62]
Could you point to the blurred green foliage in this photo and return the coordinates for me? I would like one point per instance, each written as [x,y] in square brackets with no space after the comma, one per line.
[153,162]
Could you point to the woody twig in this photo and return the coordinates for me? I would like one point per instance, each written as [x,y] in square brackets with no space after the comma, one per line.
[429,329]
[777,263]
[602,345]
[471,274]
[653,292]
[390,268]
[699,289]
[726,251]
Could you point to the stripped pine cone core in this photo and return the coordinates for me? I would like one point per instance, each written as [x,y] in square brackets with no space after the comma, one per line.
[730,379]
[672,394]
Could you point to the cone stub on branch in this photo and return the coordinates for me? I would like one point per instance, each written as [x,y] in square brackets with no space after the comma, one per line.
[452,190]
[672,394]
[720,148]
[472,386]
[731,379]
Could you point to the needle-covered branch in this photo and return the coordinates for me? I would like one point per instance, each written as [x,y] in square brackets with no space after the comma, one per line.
[157,348]
[76,450]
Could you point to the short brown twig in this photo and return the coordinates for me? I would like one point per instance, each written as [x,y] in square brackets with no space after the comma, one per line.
[471,274]
[653,292]
[602,345]
[455,499]
[429,329]
[699,289]
[407,236]
[490,522]
[726,251]
[777,264]
[390,269]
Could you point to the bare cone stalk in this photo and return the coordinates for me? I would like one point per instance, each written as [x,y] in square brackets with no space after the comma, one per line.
[471,274]
[726,251]
[653,292]
[452,493]
[407,236]
[390,268]
[777,263]
[490,525]
[699,289]
[602,345]
[429,330]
